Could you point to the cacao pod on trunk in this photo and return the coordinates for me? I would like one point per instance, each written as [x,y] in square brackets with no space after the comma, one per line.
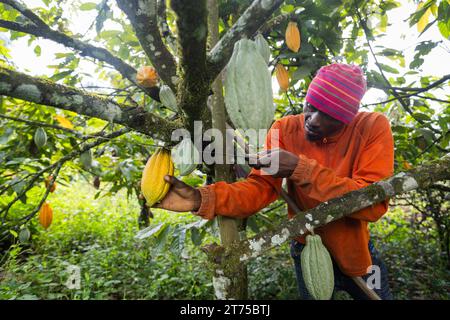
[248,88]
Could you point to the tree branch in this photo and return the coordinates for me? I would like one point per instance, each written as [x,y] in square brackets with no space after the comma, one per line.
[246,26]
[42,91]
[431,86]
[276,21]
[393,91]
[163,26]
[61,161]
[19,6]
[420,177]
[143,16]
[194,85]
[39,28]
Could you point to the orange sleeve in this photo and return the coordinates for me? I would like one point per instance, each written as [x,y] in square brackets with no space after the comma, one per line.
[244,198]
[375,163]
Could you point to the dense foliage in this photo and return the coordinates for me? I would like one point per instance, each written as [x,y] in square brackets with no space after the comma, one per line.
[95,221]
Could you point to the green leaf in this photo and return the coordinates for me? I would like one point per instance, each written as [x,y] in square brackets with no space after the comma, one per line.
[15,235]
[88,6]
[37,50]
[148,232]
[416,63]
[443,123]
[444,29]
[427,134]
[61,75]
[387,68]
[196,236]
[421,116]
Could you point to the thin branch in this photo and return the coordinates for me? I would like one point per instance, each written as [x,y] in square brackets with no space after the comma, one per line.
[143,17]
[163,25]
[194,85]
[47,192]
[42,91]
[431,86]
[19,6]
[67,157]
[40,29]
[393,91]
[246,26]
[42,124]
[276,21]
[440,187]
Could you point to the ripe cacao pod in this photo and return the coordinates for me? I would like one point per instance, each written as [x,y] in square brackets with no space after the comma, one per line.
[317,268]
[263,47]
[168,98]
[47,182]
[86,159]
[147,77]
[186,157]
[153,186]
[292,36]
[248,88]
[46,215]
[40,138]
[282,77]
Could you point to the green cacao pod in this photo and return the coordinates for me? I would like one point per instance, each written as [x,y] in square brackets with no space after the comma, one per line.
[40,138]
[317,268]
[248,88]
[167,97]
[24,235]
[263,47]
[86,159]
[185,157]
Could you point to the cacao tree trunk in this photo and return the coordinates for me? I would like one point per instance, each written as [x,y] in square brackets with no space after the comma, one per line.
[230,279]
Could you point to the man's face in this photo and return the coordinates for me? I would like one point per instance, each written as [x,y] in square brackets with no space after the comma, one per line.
[318,124]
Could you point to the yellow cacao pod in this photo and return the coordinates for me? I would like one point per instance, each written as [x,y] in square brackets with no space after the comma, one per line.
[147,77]
[153,186]
[317,268]
[282,77]
[46,215]
[292,36]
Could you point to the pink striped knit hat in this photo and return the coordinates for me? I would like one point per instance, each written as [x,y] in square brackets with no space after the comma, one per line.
[337,90]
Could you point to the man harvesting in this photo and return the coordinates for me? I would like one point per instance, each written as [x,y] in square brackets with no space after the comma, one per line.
[329,150]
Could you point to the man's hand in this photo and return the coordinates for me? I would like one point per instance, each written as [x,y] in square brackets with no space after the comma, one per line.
[278,163]
[181,197]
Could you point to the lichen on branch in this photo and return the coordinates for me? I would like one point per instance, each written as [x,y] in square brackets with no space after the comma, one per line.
[42,91]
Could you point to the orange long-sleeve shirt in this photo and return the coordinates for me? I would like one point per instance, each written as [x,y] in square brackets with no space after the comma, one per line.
[358,155]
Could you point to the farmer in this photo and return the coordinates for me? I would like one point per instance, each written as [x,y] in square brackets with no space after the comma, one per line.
[327,151]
